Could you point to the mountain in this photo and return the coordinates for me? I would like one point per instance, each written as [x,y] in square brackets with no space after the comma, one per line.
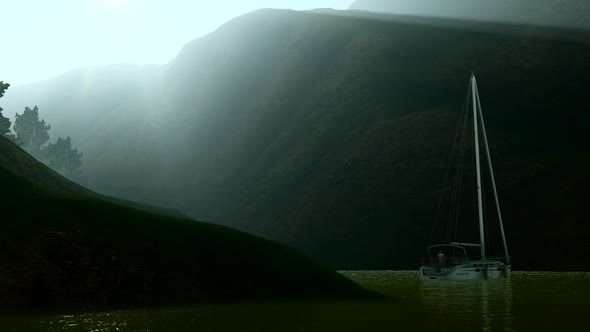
[63,245]
[93,105]
[331,132]
[559,13]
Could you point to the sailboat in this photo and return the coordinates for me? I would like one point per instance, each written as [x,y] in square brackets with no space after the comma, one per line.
[454,260]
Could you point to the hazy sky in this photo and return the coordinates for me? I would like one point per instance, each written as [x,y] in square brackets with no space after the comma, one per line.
[44,38]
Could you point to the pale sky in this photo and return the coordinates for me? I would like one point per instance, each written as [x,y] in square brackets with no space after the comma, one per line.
[41,39]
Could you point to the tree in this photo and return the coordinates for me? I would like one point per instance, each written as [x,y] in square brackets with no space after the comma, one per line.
[4,122]
[62,157]
[3,88]
[31,133]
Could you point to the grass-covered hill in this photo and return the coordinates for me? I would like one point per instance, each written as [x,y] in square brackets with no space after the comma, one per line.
[60,246]
[331,132]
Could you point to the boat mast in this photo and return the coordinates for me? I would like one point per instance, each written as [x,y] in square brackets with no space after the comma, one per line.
[478,166]
[487,148]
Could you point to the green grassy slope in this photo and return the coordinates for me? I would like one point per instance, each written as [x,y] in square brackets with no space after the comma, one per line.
[331,132]
[62,247]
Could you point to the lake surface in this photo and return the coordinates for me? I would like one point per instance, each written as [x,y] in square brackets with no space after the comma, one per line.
[527,301]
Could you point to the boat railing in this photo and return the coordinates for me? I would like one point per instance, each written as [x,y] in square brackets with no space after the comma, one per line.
[450,262]
[502,259]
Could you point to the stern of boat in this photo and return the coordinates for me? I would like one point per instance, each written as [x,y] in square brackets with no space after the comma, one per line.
[458,265]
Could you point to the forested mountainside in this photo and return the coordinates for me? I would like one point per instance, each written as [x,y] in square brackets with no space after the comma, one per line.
[559,13]
[64,246]
[332,131]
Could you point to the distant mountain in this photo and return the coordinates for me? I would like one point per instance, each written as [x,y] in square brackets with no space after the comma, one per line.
[96,106]
[331,132]
[63,245]
[563,13]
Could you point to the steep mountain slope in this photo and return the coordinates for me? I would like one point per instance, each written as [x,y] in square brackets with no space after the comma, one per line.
[331,132]
[560,13]
[335,139]
[63,247]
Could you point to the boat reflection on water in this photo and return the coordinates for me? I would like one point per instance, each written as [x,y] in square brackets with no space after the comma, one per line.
[528,301]
[484,305]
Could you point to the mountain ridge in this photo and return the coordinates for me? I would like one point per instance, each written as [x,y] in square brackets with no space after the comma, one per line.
[330,132]
[555,13]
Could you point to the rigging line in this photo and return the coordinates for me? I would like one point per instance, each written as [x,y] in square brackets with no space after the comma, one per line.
[485,219]
[449,165]
[493,181]
[451,210]
[475,216]
[475,195]
[461,172]
[453,206]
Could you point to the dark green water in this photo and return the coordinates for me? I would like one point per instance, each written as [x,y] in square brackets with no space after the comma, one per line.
[529,301]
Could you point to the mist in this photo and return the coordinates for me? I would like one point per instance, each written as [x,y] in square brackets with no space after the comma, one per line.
[47,38]
[143,143]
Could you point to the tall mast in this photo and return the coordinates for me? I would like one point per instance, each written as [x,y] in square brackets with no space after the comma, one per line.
[487,148]
[478,166]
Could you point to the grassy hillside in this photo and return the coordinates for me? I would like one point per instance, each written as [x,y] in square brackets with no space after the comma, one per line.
[332,131]
[62,247]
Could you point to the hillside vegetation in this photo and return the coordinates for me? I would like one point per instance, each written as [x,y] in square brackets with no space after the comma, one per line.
[62,246]
[332,131]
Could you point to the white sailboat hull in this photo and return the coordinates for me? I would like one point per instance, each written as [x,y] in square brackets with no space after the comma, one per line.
[477,270]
